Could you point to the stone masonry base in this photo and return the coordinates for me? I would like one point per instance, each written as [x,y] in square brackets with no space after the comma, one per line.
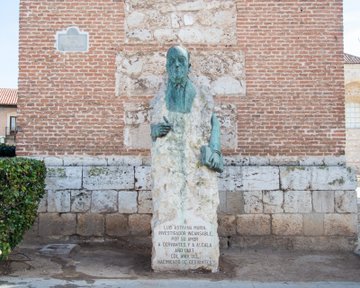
[280,202]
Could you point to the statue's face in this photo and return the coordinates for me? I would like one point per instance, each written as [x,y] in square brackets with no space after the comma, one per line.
[177,64]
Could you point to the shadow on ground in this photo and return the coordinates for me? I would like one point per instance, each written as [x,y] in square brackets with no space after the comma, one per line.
[114,261]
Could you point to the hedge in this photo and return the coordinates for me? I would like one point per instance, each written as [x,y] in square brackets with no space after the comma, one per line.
[22,185]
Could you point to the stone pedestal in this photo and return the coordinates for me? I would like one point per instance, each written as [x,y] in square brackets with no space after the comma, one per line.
[185,244]
[185,193]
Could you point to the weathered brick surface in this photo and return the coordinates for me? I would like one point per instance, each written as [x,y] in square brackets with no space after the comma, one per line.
[58,201]
[323,201]
[333,178]
[273,201]
[314,224]
[55,224]
[145,202]
[90,224]
[297,202]
[345,202]
[340,224]
[139,224]
[112,177]
[104,201]
[117,225]
[260,178]
[63,178]
[253,224]
[287,224]
[227,225]
[253,202]
[143,178]
[295,178]
[128,202]
[80,200]
[234,202]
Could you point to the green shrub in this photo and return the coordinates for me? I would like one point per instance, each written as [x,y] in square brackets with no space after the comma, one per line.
[22,185]
[7,150]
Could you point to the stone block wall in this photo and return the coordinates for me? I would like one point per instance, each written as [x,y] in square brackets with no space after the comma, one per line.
[296,203]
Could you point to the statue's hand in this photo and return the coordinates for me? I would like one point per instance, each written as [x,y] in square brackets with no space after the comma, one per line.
[160,130]
[216,161]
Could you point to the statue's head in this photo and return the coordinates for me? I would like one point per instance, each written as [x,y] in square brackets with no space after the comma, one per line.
[177,64]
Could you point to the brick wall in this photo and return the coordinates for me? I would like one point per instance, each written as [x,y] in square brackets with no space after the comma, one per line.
[293,68]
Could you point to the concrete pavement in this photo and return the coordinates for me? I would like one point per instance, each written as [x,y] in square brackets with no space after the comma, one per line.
[9,282]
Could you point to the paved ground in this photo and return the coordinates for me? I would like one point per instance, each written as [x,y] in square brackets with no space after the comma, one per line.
[113,265]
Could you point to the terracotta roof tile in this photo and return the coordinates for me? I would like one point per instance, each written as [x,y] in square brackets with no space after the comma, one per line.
[8,96]
[351,59]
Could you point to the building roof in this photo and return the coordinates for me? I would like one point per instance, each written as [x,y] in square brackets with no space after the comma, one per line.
[351,59]
[8,96]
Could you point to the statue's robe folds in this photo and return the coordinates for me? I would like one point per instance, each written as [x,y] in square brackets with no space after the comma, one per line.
[185,193]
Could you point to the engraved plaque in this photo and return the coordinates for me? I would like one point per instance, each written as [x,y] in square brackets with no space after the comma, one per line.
[72,40]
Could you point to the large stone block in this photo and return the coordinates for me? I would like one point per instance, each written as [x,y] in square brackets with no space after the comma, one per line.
[230,179]
[345,202]
[287,224]
[145,202]
[128,202]
[90,224]
[226,225]
[84,161]
[249,178]
[314,224]
[141,74]
[58,201]
[295,178]
[340,224]
[80,200]
[105,201]
[323,201]
[143,178]
[117,225]
[333,178]
[253,202]
[260,178]
[235,202]
[125,160]
[208,21]
[43,204]
[53,161]
[273,201]
[140,224]
[58,178]
[55,224]
[222,202]
[100,178]
[253,225]
[297,202]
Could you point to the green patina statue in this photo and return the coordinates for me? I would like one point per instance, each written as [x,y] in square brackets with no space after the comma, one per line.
[180,94]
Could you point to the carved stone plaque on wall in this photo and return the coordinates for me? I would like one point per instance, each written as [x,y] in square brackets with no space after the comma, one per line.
[72,40]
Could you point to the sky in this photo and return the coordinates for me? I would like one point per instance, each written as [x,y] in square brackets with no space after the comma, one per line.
[9,31]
